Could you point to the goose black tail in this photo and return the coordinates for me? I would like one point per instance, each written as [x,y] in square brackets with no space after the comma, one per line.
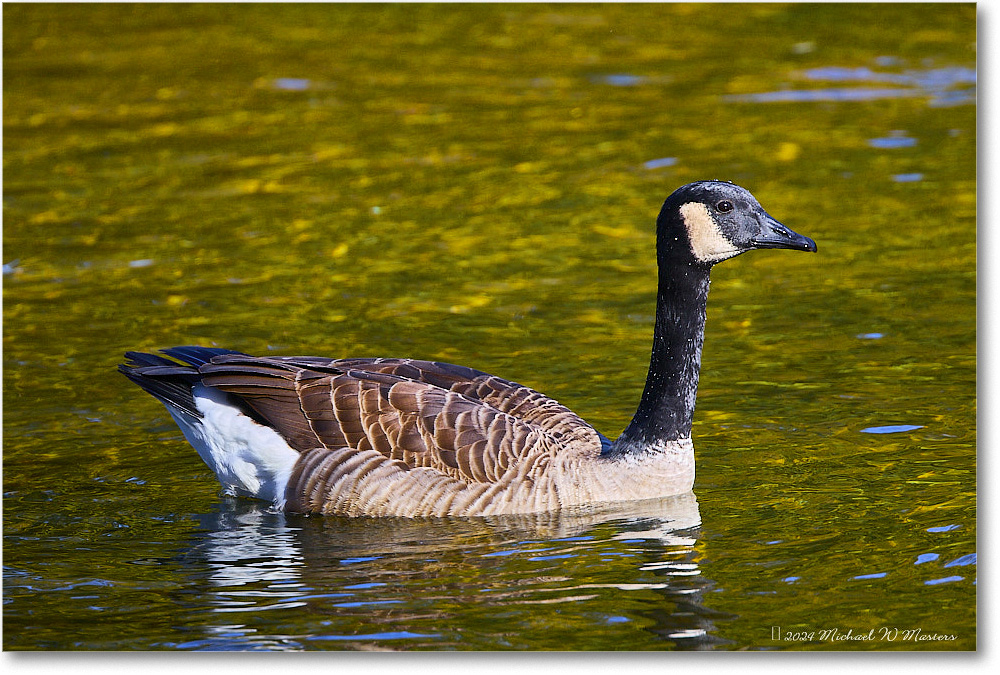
[171,381]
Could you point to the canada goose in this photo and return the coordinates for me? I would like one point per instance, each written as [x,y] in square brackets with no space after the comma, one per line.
[404,437]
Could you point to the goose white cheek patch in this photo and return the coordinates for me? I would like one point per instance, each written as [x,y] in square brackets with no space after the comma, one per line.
[707,243]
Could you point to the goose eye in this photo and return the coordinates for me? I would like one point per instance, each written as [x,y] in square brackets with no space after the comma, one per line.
[725,206]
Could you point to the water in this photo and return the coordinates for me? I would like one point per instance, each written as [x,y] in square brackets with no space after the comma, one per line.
[478,184]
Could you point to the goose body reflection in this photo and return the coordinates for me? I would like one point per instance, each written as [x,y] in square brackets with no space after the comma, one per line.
[403,437]
[393,582]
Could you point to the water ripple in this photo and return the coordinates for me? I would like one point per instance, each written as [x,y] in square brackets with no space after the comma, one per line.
[891,429]
[892,142]
[945,580]
[969,559]
[389,635]
[947,86]
[660,163]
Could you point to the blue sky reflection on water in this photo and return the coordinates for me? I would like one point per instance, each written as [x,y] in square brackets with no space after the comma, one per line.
[941,86]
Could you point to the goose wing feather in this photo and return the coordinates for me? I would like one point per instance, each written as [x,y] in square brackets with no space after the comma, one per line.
[464,423]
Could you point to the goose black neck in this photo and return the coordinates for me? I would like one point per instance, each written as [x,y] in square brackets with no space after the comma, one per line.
[666,410]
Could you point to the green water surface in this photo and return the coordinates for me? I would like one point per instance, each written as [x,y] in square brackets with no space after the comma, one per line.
[478,184]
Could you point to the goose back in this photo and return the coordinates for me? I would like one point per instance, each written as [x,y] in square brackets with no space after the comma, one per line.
[395,436]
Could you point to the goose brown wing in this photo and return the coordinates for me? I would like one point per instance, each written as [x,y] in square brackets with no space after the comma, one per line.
[465,423]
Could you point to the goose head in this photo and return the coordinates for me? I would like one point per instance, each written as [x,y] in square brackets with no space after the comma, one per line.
[710,221]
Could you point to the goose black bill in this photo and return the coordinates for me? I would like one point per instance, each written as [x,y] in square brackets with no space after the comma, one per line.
[775,235]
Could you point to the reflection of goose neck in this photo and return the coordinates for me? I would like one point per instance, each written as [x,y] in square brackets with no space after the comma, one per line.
[666,409]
